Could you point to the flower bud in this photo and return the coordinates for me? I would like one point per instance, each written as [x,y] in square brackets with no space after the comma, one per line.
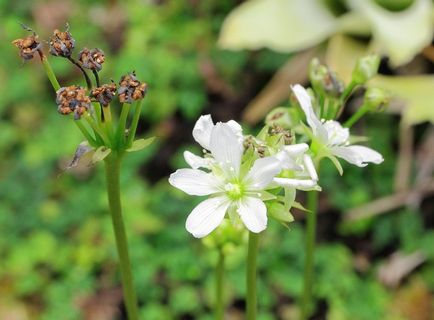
[280,116]
[91,59]
[62,43]
[226,237]
[324,80]
[366,68]
[72,99]
[104,94]
[131,89]
[28,46]
[376,99]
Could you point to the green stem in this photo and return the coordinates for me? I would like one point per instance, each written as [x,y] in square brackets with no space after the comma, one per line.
[356,116]
[306,302]
[97,109]
[120,134]
[97,130]
[95,74]
[112,170]
[50,73]
[134,123]
[86,133]
[252,254]
[219,285]
[344,97]
[86,77]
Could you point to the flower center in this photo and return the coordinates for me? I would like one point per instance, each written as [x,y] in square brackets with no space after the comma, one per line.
[234,190]
[336,134]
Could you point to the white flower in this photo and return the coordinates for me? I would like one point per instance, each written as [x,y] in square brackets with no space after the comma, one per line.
[229,188]
[333,137]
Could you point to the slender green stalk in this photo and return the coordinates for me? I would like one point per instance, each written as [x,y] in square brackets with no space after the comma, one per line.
[97,129]
[112,170]
[86,133]
[86,77]
[356,116]
[134,123]
[97,108]
[306,302]
[50,73]
[344,97]
[120,134]
[95,74]
[219,285]
[252,254]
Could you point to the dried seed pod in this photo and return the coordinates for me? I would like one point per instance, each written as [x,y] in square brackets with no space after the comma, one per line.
[72,99]
[28,46]
[62,43]
[104,94]
[91,59]
[131,89]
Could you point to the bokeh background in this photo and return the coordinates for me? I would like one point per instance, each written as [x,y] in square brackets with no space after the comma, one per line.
[375,256]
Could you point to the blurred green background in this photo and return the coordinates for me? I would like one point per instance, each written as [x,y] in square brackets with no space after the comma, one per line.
[57,250]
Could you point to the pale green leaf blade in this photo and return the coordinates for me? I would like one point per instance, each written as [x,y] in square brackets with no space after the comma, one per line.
[100,154]
[140,144]
[280,25]
[399,35]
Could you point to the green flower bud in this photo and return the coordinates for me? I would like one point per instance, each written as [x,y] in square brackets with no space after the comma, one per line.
[376,99]
[280,116]
[324,80]
[366,68]
[227,237]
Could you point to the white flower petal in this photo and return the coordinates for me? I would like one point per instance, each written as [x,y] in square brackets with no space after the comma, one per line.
[195,161]
[226,148]
[207,216]
[311,118]
[296,149]
[295,183]
[358,155]
[310,167]
[253,213]
[287,162]
[336,134]
[202,130]
[236,128]
[262,173]
[194,182]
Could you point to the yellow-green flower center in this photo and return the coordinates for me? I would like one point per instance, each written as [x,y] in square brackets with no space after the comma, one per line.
[234,190]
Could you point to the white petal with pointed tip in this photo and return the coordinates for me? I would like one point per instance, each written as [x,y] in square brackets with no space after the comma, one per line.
[262,173]
[295,183]
[202,130]
[358,155]
[310,167]
[207,216]
[226,148]
[195,161]
[253,213]
[194,182]
[296,149]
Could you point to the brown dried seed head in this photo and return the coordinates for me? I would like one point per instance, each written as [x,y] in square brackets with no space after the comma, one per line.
[92,59]
[62,43]
[72,99]
[28,46]
[104,94]
[131,89]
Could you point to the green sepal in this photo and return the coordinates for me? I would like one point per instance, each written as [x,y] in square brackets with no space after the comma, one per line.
[299,206]
[336,163]
[276,210]
[100,154]
[140,144]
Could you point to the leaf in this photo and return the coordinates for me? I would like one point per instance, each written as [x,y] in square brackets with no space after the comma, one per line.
[416,92]
[399,35]
[100,154]
[140,144]
[280,25]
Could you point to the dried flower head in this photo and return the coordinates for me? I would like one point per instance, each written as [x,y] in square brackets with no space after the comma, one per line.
[104,94]
[28,46]
[91,59]
[131,89]
[72,99]
[62,43]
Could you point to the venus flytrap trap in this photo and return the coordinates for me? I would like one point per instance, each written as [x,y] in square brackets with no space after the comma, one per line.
[108,139]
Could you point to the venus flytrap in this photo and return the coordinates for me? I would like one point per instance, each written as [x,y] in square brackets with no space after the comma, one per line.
[107,139]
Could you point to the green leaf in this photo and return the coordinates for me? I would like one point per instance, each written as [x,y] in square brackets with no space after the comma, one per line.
[280,25]
[400,35]
[100,154]
[416,92]
[140,144]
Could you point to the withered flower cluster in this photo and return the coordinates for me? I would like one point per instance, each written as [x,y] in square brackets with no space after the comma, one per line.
[28,46]
[131,89]
[91,59]
[62,43]
[72,99]
[104,94]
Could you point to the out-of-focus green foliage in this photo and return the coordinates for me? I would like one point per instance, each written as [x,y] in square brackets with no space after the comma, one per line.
[57,249]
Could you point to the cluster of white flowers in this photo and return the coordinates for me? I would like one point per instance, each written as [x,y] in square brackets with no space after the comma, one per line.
[237,183]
